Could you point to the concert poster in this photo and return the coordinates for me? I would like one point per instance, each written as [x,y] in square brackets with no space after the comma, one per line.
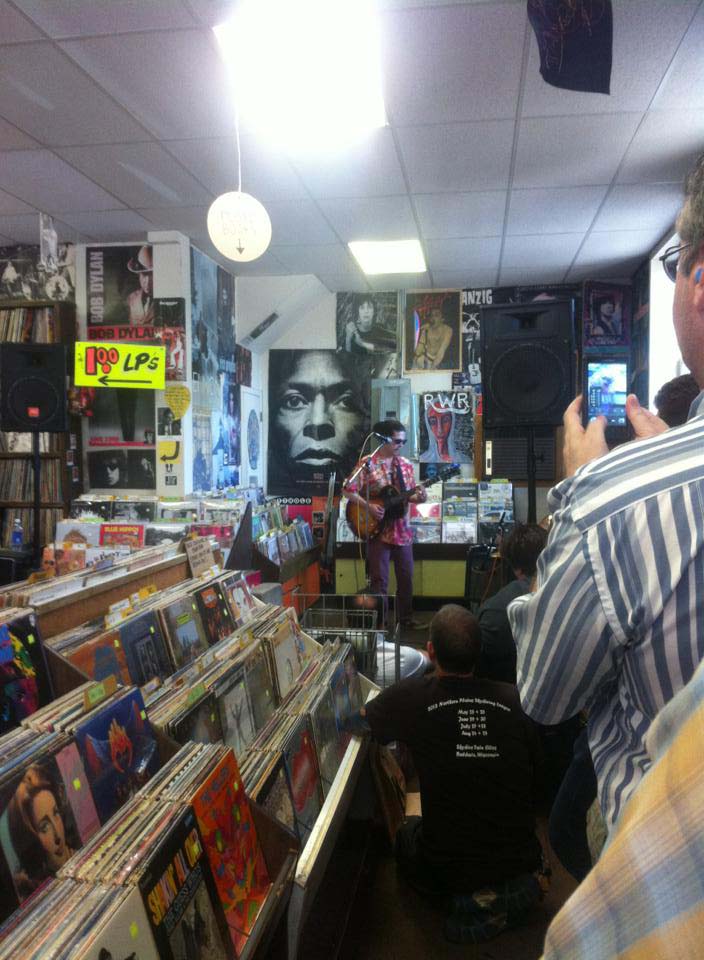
[432,330]
[446,426]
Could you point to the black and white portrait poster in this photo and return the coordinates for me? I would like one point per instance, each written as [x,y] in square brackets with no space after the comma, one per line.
[446,426]
[204,317]
[24,277]
[432,325]
[122,469]
[318,419]
[202,452]
[607,315]
[367,327]
[120,285]
[122,418]
[226,322]
[226,435]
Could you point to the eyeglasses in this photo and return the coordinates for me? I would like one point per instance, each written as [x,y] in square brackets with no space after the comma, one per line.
[398,443]
[671,258]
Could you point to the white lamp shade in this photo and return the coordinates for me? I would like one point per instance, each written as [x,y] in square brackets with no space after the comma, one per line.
[239,226]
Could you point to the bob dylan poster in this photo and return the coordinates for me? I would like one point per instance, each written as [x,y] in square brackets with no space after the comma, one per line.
[122,418]
[432,330]
[367,327]
[319,409]
[446,426]
[607,315]
[119,285]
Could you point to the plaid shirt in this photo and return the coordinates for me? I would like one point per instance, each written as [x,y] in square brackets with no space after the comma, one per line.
[378,474]
[644,899]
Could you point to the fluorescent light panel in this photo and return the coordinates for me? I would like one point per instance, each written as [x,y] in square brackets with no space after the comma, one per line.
[306,73]
[388,256]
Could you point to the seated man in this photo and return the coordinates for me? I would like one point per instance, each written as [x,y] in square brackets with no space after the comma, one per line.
[478,761]
[521,550]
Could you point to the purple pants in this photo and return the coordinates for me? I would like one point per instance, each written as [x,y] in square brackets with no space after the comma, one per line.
[379,554]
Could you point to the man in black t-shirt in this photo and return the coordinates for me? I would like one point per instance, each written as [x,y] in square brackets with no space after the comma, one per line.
[478,762]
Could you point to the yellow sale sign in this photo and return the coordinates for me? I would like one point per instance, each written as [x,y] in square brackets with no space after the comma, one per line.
[135,365]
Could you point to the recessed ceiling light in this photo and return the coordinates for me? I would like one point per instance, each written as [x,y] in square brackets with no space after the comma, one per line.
[388,256]
[306,73]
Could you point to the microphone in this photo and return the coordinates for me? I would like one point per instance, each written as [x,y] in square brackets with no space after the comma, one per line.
[380,436]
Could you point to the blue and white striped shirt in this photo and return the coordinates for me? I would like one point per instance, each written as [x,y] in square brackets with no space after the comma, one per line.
[617,622]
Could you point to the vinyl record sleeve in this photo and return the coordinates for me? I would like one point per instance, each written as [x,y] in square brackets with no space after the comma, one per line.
[145,648]
[25,684]
[184,630]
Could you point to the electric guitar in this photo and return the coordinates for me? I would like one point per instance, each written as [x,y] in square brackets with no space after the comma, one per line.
[366,526]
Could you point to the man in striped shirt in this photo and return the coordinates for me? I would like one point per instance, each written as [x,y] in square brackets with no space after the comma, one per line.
[616,623]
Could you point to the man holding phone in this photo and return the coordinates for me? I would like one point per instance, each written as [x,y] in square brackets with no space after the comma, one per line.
[616,622]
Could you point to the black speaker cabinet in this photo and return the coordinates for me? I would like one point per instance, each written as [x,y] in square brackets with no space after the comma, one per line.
[33,387]
[506,454]
[527,363]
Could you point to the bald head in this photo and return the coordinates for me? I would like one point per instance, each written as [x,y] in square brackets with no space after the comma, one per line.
[455,639]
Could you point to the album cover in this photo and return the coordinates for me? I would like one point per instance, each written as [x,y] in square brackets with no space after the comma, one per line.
[100,509]
[75,781]
[122,534]
[367,328]
[140,511]
[120,280]
[118,750]
[289,656]
[145,648]
[260,687]
[432,331]
[302,771]
[122,417]
[201,724]
[121,469]
[275,797]
[230,840]
[239,598]
[25,679]
[184,630]
[236,716]
[181,899]
[446,426]
[327,740]
[125,933]
[101,657]
[214,612]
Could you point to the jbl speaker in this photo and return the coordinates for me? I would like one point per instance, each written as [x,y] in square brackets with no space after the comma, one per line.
[33,387]
[527,363]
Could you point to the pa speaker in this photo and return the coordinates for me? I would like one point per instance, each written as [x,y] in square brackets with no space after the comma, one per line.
[33,387]
[527,363]
[506,453]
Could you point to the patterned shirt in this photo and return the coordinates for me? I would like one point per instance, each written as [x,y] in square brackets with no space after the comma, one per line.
[617,622]
[645,897]
[379,474]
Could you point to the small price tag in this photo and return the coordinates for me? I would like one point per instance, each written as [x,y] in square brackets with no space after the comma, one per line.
[197,693]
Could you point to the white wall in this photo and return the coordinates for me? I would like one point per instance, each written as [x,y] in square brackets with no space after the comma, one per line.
[664,360]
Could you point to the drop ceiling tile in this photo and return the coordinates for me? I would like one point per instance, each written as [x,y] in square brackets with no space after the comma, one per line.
[646,35]
[50,184]
[173,83]
[368,167]
[12,138]
[47,96]
[549,250]
[86,17]
[613,250]
[532,276]
[604,270]
[454,158]
[567,210]
[433,58]
[684,83]
[15,26]
[329,258]
[461,214]
[10,205]
[469,255]
[191,221]
[572,151]
[458,279]
[24,228]
[298,222]
[343,283]
[109,225]
[400,281]
[266,174]
[140,174]
[665,147]
[640,206]
[377,218]
[266,265]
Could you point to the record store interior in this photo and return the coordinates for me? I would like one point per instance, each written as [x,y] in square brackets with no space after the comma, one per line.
[351,479]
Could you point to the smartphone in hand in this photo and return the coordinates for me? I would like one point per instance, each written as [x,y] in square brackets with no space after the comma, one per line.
[605,383]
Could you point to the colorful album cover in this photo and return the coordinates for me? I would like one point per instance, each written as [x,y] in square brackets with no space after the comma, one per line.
[38,830]
[101,657]
[302,771]
[184,630]
[181,899]
[80,798]
[24,676]
[122,534]
[201,724]
[125,933]
[145,648]
[230,840]
[214,613]
[289,654]
[274,796]
[239,598]
[119,751]
[342,702]
[262,694]
[236,716]
[446,426]
[327,739]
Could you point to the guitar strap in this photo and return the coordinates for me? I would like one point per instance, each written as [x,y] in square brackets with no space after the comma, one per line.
[399,476]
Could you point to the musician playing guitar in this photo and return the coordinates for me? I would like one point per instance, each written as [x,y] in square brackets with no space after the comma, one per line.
[394,540]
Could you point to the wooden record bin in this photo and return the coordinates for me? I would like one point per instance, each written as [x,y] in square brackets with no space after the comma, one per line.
[299,576]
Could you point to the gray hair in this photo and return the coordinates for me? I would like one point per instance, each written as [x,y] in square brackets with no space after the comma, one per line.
[690,222]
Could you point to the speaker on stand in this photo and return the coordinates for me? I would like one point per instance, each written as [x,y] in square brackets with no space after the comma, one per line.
[33,399]
[528,371]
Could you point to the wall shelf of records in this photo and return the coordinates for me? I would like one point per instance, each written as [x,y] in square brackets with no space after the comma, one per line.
[37,322]
[286,553]
[259,710]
